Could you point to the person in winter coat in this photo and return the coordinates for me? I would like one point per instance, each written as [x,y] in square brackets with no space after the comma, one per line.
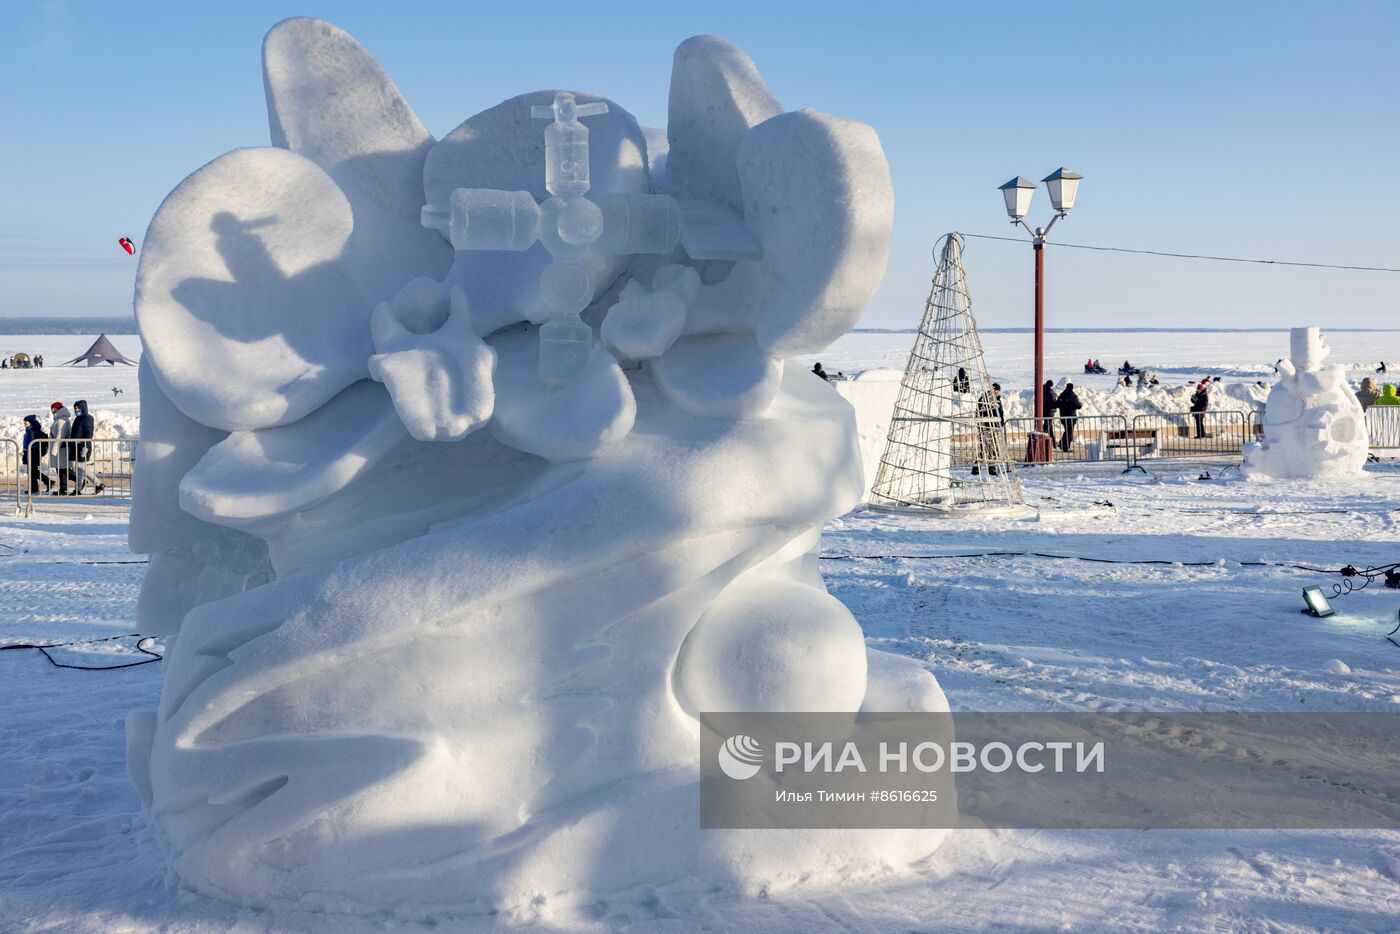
[1200,404]
[1069,406]
[1049,404]
[33,431]
[961,383]
[991,423]
[60,428]
[1368,393]
[819,371]
[1388,396]
[81,448]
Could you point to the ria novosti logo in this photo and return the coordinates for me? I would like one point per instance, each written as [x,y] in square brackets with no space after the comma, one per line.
[740,757]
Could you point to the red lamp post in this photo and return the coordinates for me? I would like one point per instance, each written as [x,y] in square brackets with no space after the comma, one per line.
[1063,186]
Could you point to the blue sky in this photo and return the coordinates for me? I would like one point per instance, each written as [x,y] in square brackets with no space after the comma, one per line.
[1256,129]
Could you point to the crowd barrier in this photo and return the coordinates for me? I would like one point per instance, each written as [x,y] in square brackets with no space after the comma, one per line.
[1194,435]
[1123,439]
[86,470]
[9,458]
[1383,427]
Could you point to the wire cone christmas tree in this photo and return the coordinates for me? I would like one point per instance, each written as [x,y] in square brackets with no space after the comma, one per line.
[945,401]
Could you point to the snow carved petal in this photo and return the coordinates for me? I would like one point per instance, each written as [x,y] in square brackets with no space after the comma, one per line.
[575,422]
[436,368]
[330,101]
[254,477]
[246,310]
[818,196]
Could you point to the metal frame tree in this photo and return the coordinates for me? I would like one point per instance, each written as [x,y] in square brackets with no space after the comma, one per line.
[945,402]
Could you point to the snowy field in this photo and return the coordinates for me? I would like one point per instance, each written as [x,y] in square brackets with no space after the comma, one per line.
[1202,632]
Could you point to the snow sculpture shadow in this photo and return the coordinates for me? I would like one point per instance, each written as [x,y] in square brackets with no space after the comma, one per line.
[465,618]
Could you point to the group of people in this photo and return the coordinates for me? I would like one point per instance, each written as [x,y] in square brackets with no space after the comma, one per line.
[1093,367]
[1064,403]
[66,447]
[22,361]
[1368,395]
[1145,379]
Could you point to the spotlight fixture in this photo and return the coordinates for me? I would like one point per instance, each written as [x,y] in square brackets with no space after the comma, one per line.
[1317,604]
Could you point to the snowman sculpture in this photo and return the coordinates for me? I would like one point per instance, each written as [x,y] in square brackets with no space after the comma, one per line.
[1313,424]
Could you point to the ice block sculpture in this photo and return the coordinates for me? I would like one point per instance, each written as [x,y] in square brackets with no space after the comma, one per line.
[443,633]
[1313,423]
[568,224]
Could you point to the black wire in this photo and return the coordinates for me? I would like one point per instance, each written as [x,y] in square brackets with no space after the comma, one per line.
[1223,259]
[141,643]
[1040,554]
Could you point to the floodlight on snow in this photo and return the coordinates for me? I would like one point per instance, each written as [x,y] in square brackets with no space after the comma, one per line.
[1063,186]
[1317,604]
[1018,193]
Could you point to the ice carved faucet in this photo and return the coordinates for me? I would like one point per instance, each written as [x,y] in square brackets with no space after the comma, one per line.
[568,224]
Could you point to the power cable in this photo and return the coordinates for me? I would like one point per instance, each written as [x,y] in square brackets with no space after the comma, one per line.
[1054,557]
[1222,259]
[141,643]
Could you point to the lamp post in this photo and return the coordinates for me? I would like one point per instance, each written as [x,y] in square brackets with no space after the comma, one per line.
[1063,185]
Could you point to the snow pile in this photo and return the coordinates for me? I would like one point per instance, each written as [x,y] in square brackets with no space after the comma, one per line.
[1313,425]
[426,668]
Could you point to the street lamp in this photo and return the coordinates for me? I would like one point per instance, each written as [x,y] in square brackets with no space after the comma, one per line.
[1063,185]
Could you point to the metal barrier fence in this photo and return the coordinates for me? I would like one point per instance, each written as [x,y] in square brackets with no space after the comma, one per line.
[1126,440]
[1383,427]
[84,470]
[1193,435]
[1082,439]
[9,457]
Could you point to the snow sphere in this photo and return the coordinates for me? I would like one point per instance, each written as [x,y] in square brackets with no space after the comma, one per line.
[773,646]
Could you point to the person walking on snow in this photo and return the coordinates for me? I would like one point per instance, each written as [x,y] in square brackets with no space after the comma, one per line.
[60,428]
[1050,404]
[82,446]
[31,454]
[1200,404]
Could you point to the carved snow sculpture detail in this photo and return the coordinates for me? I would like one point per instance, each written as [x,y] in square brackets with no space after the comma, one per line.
[431,668]
[1313,423]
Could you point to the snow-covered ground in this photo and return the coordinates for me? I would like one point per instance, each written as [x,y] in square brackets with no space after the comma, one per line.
[1004,633]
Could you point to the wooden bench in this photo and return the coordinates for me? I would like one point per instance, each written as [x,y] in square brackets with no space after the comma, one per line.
[1142,442]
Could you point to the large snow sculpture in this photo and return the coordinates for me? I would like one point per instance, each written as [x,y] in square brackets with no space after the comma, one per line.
[425,668]
[1313,424]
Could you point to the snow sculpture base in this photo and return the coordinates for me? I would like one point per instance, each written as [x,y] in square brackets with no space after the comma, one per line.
[492,716]
[1313,423]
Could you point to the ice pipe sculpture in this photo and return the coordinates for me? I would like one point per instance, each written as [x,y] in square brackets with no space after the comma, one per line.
[1313,423]
[442,605]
